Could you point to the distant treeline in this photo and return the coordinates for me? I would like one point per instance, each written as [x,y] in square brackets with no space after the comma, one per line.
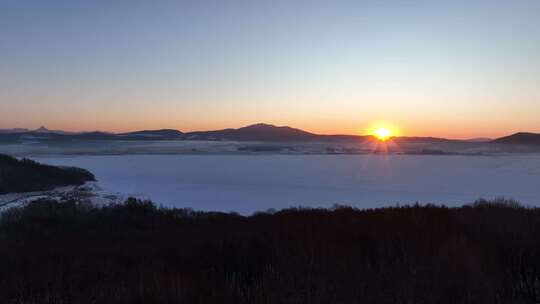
[27,175]
[73,252]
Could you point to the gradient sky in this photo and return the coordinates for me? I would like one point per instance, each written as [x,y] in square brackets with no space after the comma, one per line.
[440,68]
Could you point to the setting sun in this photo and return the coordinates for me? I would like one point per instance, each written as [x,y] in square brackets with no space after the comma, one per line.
[383,134]
[383,131]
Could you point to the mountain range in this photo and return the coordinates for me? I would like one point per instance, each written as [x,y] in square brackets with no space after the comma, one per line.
[255,132]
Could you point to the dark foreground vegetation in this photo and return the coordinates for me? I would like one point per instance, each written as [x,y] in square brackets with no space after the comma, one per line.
[27,175]
[73,252]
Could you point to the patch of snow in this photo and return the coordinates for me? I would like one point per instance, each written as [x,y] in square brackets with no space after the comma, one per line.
[248,183]
[90,192]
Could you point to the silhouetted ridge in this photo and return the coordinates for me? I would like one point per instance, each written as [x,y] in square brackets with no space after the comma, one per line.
[154,134]
[255,132]
[43,134]
[270,132]
[521,138]
[27,175]
[14,130]
[42,129]
[264,132]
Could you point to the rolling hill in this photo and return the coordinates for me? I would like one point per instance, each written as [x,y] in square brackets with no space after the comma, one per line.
[26,175]
[42,134]
[522,138]
[153,134]
[256,132]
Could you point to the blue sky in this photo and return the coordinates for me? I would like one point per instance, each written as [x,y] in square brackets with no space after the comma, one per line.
[445,68]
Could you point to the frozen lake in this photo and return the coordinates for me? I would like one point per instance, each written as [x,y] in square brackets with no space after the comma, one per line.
[245,184]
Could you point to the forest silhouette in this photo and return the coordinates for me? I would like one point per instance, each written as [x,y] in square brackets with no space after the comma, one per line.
[75,252]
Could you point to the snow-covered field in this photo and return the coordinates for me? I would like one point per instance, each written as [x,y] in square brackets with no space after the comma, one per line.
[245,183]
[90,192]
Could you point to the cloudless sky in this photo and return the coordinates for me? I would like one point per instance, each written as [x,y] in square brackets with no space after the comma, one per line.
[439,68]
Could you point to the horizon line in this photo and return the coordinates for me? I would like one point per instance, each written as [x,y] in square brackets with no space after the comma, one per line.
[254,124]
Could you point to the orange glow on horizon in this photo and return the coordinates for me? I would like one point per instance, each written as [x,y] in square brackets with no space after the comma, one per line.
[333,127]
[383,131]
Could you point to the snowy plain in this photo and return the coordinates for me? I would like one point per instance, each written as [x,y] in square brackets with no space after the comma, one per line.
[249,183]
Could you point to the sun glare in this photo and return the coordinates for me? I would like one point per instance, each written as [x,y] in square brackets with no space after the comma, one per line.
[383,131]
[383,134]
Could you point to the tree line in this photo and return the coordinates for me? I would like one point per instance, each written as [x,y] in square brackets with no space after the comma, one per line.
[75,252]
[26,175]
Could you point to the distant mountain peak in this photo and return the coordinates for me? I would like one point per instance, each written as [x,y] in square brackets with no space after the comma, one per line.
[261,125]
[270,127]
[42,129]
[256,132]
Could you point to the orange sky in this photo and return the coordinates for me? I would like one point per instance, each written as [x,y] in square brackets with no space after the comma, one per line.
[455,69]
[433,128]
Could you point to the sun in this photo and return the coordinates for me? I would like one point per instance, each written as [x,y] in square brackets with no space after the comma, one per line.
[383,134]
[383,131]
